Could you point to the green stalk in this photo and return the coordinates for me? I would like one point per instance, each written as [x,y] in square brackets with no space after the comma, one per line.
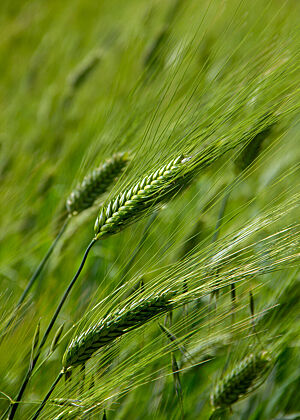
[38,411]
[49,328]
[220,217]
[34,277]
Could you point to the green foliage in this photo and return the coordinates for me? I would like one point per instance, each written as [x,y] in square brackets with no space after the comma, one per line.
[214,82]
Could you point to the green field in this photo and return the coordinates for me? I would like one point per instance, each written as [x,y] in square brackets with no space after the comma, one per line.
[188,304]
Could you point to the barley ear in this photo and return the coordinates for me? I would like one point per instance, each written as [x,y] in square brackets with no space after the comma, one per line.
[251,151]
[96,183]
[245,377]
[84,69]
[115,325]
[142,197]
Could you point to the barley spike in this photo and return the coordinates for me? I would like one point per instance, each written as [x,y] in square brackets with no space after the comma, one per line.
[84,69]
[114,325]
[96,183]
[141,197]
[252,149]
[241,380]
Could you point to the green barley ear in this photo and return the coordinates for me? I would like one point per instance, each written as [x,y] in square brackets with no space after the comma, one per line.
[79,76]
[141,197]
[154,57]
[114,325]
[251,151]
[96,183]
[84,69]
[245,377]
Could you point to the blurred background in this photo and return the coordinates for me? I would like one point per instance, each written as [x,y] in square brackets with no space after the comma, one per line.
[83,80]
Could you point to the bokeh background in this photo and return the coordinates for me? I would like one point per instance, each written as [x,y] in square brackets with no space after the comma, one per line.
[82,80]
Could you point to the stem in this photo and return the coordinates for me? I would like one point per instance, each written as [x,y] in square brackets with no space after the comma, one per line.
[220,217]
[35,276]
[217,231]
[38,411]
[81,380]
[177,384]
[233,300]
[227,192]
[34,362]
[5,412]
[42,263]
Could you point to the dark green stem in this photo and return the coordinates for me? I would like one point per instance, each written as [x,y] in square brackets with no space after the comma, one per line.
[218,228]
[220,217]
[177,384]
[34,277]
[38,352]
[38,411]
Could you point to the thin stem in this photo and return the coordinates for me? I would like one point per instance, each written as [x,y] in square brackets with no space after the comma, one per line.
[227,192]
[81,380]
[217,232]
[175,371]
[233,300]
[34,277]
[42,263]
[252,312]
[38,352]
[38,411]
[5,412]
[220,217]
[177,383]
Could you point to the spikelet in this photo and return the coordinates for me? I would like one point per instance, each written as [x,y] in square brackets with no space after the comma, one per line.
[96,183]
[115,325]
[141,197]
[69,415]
[66,402]
[241,380]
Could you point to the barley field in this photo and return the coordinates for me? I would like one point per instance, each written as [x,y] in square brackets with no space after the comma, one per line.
[149,224]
